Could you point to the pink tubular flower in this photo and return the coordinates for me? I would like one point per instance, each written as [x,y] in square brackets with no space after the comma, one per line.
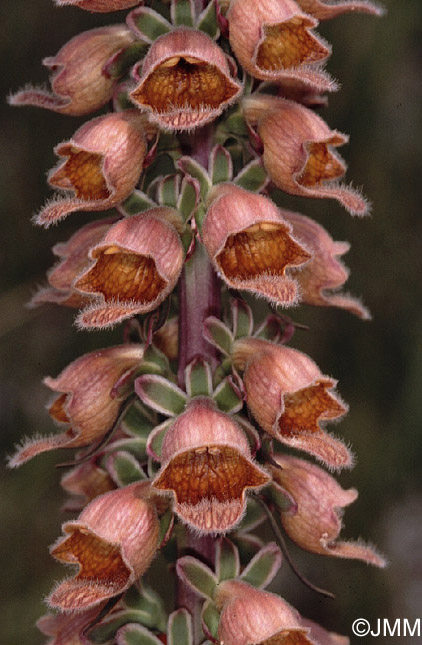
[251,245]
[98,6]
[185,80]
[66,629]
[74,259]
[273,40]
[113,542]
[324,274]
[299,151]
[324,10]
[78,83]
[252,616]
[315,524]
[207,466]
[135,267]
[103,162]
[289,396]
[84,403]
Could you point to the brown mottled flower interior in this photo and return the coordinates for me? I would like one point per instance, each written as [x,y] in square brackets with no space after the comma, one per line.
[289,44]
[264,248]
[57,410]
[83,173]
[180,83]
[291,637]
[304,408]
[122,276]
[322,165]
[211,472]
[99,560]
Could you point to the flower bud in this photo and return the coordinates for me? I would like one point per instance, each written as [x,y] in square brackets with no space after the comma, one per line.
[74,259]
[103,162]
[134,269]
[315,522]
[185,80]
[113,542]
[251,245]
[84,403]
[78,83]
[67,629]
[273,40]
[299,151]
[289,397]
[167,339]
[207,466]
[321,278]
[250,615]
[98,6]
[324,10]
[84,483]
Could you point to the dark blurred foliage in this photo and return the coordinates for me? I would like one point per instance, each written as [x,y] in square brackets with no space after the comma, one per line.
[378,364]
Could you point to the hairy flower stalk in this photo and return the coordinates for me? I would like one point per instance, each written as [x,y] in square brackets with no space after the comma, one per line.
[207,106]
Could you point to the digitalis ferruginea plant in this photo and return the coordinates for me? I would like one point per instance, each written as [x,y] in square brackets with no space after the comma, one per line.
[182,431]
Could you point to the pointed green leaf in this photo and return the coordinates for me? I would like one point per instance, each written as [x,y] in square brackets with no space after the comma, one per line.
[136,203]
[221,165]
[166,527]
[253,517]
[248,545]
[161,166]
[134,634]
[160,394]
[121,62]
[197,576]
[188,197]
[195,170]
[136,447]
[227,563]
[281,498]
[106,631]
[150,604]
[198,378]
[122,99]
[148,24]
[139,421]
[263,566]
[210,619]
[236,124]
[156,438]
[168,143]
[179,630]
[124,468]
[200,214]
[207,21]
[182,13]
[153,355]
[168,190]
[218,334]
[227,398]
[253,176]
[242,318]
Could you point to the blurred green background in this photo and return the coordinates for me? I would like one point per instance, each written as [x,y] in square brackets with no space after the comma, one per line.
[378,364]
